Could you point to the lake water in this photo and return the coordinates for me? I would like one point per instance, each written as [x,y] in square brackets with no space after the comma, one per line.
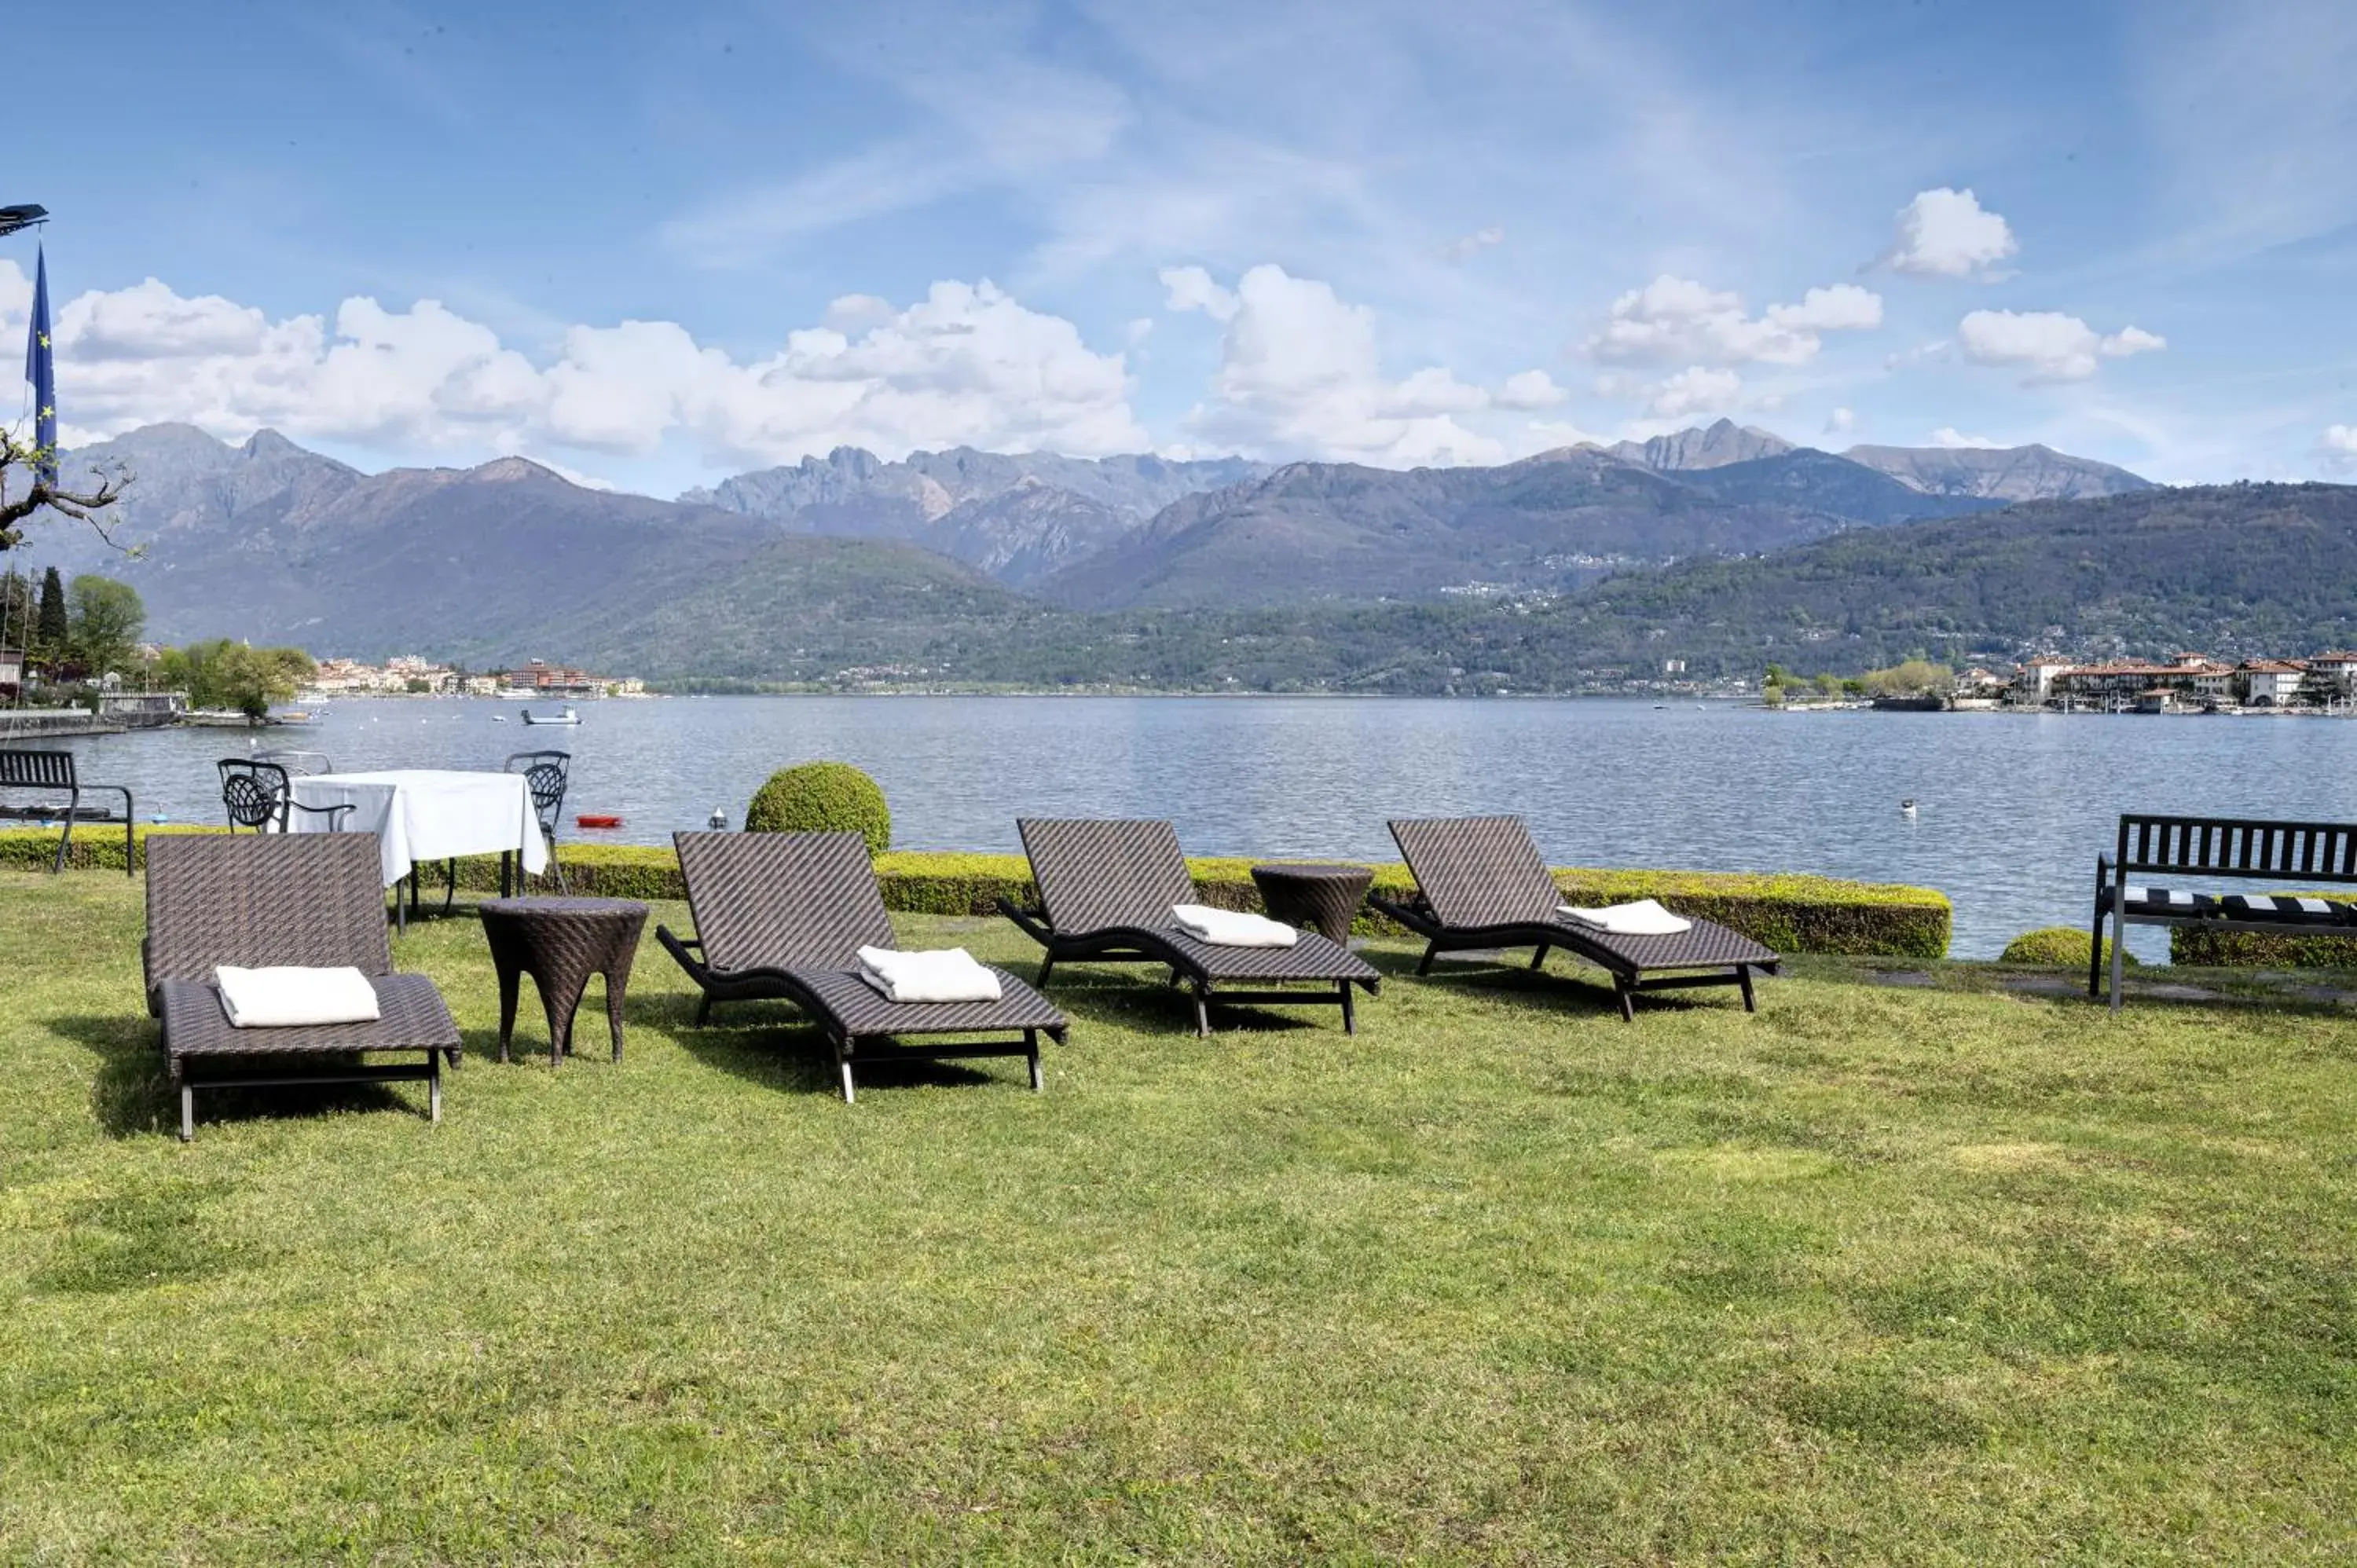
[2012,807]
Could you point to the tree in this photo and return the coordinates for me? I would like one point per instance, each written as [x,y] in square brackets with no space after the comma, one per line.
[108,619]
[15,609]
[225,674]
[85,505]
[1910,678]
[52,628]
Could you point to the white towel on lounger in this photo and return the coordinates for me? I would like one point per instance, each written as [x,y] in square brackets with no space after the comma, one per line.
[286,995]
[1643,918]
[941,974]
[1232,928]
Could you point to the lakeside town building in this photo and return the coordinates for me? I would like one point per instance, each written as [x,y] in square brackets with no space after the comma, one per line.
[408,675]
[2188,682]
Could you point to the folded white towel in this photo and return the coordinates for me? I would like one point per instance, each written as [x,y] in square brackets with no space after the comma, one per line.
[1232,928]
[1643,919]
[942,974]
[285,995]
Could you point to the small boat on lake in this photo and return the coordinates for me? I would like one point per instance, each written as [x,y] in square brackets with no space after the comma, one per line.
[599,820]
[564,715]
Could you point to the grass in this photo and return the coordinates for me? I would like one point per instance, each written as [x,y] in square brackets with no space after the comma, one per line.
[1929,1274]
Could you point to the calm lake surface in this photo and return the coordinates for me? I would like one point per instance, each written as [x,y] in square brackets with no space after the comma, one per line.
[2013,808]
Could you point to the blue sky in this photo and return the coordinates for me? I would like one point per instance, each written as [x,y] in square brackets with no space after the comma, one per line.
[653,245]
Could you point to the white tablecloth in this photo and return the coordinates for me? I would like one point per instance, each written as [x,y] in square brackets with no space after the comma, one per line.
[422,814]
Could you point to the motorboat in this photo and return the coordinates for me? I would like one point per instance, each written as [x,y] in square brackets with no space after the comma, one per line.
[564,716]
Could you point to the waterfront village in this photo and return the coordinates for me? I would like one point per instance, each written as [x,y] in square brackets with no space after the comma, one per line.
[2325,683]
[406,675]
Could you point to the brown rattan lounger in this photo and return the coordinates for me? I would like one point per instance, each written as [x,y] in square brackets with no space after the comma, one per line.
[1482,884]
[1106,890]
[784,916]
[305,898]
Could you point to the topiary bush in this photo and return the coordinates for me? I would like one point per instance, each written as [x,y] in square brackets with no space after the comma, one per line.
[822,797]
[2062,945]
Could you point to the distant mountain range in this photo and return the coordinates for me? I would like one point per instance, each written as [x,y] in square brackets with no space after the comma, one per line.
[1326,531]
[1020,519]
[979,567]
[1984,473]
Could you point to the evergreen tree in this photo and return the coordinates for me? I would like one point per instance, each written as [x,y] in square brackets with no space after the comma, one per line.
[15,610]
[53,631]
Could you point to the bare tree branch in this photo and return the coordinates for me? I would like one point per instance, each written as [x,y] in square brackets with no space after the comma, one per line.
[82,505]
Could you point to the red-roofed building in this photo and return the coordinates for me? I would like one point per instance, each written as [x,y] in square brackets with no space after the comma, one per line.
[2270,682]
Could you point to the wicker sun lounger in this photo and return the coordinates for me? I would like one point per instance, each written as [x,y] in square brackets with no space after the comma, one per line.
[784,916]
[1106,890]
[1482,884]
[311,899]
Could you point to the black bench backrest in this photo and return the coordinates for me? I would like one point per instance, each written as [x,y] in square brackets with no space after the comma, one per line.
[35,769]
[2225,847]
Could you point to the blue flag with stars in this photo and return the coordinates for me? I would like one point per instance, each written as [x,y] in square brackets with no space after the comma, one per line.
[41,370]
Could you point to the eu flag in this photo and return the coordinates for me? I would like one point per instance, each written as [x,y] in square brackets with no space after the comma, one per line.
[41,370]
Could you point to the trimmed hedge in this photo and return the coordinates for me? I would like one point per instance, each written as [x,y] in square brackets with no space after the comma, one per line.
[2259,950]
[1790,914]
[2065,945]
[822,797]
[2228,948]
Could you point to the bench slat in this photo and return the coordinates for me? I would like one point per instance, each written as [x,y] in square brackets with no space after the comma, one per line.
[2234,846]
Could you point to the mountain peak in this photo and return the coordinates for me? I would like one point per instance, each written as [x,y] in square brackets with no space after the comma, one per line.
[2028,473]
[1711,446]
[266,443]
[513,471]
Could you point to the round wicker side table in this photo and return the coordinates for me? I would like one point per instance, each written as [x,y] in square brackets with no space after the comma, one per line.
[561,942]
[1324,897]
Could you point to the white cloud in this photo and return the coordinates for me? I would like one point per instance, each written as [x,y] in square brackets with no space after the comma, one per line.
[1299,375]
[1191,288]
[1530,389]
[1676,318]
[1695,389]
[2049,345]
[1480,240]
[1949,439]
[1840,422]
[2340,445]
[1947,233]
[968,363]
[1547,435]
[575,475]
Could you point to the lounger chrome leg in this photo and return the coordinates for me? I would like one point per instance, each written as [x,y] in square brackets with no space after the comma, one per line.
[842,1067]
[1349,1018]
[1627,995]
[187,1112]
[1202,1015]
[434,1087]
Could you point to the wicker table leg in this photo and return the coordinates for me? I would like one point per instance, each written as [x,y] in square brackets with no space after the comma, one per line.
[562,998]
[510,978]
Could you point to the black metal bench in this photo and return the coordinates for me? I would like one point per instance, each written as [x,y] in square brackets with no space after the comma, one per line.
[2218,847]
[53,772]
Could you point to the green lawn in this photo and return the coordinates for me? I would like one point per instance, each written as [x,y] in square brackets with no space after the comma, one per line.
[1929,1274]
